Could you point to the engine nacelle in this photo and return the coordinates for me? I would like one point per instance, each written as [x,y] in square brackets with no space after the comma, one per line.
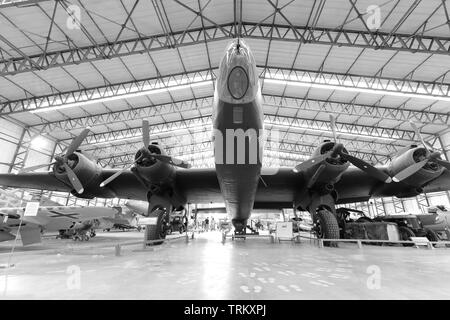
[153,171]
[87,171]
[333,167]
[415,154]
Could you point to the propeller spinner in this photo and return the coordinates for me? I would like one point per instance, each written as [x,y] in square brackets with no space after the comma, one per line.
[63,161]
[146,153]
[431,155]
[338,151]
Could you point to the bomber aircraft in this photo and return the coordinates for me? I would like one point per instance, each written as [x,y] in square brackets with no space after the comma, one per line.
[238,179]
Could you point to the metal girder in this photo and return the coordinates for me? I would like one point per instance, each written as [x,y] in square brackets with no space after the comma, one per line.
[18,3]
[342,128]
[327,36]
[155,130]
[334,80]
[83,97]
[200,103]
[87,96]
[203,134]
[199,146]
[401,113]
[205,104]
[291,123]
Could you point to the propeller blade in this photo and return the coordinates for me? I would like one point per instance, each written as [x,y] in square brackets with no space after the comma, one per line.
[405,173]
[333,126]
[118,173]
[75,144]
[73,179]
[33,168]
[145,133]
[443,163]
[114,176]
[310,162]
[173,161]
[367,168]
[427,145]
[417,131]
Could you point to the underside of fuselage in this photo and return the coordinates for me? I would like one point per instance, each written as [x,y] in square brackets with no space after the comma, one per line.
[238,163]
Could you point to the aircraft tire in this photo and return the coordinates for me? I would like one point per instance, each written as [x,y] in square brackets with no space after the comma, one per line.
[406,234]
[431,235]
[328,226]
[157,231]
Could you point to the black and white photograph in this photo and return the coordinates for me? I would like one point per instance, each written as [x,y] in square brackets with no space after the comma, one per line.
[224,155]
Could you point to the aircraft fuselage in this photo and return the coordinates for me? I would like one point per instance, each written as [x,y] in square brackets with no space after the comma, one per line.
[238,131]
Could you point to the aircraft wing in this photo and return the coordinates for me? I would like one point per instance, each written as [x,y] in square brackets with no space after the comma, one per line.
[280,188]
[35,180]
[202,186]
[125,186]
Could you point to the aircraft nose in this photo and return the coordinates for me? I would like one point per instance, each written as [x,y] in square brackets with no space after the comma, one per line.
[238,79]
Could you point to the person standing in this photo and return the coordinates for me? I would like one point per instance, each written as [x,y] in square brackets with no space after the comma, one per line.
[207,224]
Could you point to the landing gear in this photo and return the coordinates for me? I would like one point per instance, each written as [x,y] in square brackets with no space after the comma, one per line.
[159,230]
[406,234]
[326,227]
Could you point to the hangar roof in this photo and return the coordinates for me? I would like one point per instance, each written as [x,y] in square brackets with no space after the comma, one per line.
[375,65]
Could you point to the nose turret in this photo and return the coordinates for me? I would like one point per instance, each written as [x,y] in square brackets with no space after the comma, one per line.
[237,81]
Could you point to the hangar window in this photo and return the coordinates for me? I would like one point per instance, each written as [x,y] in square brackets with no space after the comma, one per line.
[238,114]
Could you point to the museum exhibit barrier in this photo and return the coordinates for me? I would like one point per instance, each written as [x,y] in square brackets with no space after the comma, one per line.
[416,242]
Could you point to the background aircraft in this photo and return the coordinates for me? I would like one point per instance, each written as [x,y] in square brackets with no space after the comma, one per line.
[69,221]
[316,185]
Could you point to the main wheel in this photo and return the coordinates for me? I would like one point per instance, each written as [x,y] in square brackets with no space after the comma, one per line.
[327,227]
[406,234]
[158,231]
[431,235]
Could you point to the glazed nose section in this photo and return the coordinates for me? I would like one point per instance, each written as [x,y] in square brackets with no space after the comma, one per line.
[237,81]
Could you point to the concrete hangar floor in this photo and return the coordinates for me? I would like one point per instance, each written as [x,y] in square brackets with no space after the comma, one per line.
[207,268]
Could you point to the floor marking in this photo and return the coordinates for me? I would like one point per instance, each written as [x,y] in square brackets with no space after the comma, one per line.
[342,270]
[338,276]
[58,271]
[318,283]
[326,282]
[185,281]
[295,287]
[323,269]
[290,272]
[310,275]
[281,287]
[255,289]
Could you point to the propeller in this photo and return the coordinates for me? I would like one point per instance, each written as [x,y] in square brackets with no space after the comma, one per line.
[430,155]
[63,161]
[338,150]
[145,152]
